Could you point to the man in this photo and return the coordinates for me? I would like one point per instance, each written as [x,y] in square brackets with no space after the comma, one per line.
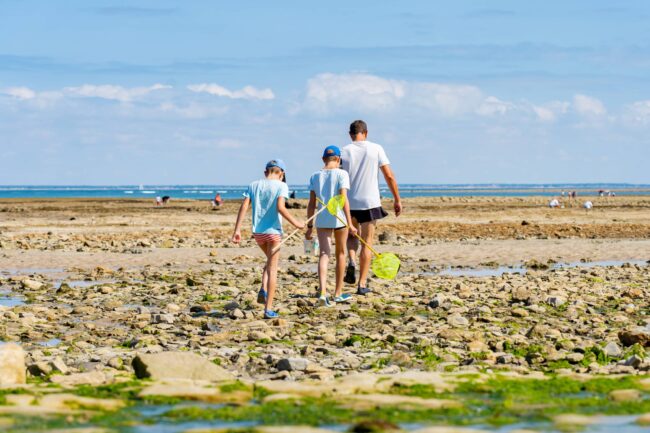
[363,160]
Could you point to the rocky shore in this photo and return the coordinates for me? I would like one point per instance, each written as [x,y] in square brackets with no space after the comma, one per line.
[109,306]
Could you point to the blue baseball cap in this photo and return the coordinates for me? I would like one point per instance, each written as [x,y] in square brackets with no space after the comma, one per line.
[331,151]
[276,163]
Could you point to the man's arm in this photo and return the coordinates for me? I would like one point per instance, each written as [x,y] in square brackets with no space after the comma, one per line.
[392,185]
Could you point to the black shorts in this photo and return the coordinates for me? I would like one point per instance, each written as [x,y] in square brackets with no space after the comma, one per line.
[367,215]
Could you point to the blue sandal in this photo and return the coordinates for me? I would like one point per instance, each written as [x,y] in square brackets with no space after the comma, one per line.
[343,298]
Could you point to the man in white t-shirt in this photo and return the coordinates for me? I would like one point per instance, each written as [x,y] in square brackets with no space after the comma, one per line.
[363,160]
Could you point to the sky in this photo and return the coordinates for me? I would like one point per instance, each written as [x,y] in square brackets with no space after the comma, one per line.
[108,92]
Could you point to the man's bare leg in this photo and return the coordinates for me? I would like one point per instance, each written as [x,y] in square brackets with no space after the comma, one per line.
[352,246]
[368,235]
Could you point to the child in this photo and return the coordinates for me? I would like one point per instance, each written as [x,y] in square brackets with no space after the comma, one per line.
[268,197]
[325,184]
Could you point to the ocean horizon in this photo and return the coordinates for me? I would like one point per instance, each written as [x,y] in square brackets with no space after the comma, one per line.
[207,192]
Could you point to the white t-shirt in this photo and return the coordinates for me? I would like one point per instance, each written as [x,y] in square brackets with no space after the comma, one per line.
[362,160]
[326,184]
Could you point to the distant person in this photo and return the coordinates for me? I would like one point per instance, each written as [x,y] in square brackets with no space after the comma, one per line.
[562,193]
[323,185]
[292,195]
[267,197]
[165,199]
[159,201]
[218,201]
[601,193]
[363,160]
[555,203]
[588,205]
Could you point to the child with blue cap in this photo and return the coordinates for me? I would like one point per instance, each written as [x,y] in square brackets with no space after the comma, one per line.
[268,198]
[325,184]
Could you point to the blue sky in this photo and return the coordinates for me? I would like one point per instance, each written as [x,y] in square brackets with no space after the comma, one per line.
[165,92]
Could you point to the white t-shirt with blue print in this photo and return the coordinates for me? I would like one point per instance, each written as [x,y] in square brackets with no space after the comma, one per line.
[264,194]
[326,184]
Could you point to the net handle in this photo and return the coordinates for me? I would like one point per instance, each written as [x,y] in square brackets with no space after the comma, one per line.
[345,224]
[292,234]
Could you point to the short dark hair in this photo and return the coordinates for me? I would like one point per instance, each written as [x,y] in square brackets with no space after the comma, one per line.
[358,127]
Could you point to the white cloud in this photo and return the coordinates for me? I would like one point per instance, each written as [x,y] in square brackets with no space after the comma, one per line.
[550,111]
[588,106]
[638,112]
[354,91]
[112,92]
[20,92]
[248,92]
[229,143]
[494,106]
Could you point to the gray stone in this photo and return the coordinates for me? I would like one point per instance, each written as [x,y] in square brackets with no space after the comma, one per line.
[178,365]
[612,350]
[292,364]
[32,284]
[555,301]
[163,318]
[457,320]
[633,361]
[12,365]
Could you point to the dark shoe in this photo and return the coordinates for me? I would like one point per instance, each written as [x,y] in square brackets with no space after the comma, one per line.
[261,296]
[363,290]
[349,274]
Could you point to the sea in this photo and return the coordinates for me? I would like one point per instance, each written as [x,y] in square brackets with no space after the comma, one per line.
[208,192]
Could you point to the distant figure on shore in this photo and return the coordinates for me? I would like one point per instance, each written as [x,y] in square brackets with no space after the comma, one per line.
[159,201]
[165,199]
[588,205]
[601,193]
[218,201]
[293,194]
[554,203]
[562,193]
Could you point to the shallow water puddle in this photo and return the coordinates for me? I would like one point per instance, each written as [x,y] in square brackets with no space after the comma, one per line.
[502,270]
[82,283]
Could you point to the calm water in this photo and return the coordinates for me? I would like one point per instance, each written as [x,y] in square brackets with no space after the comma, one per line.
[207,192]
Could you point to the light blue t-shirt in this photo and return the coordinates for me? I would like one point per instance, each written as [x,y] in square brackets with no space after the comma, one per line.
[326,184]
[264,194]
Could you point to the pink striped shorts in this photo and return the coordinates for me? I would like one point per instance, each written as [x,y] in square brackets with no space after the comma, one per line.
[263,238]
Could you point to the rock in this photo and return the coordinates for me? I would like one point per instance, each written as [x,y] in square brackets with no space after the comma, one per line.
[374,426]
[568,420]
[195,390]
[178,365]
[519,312]
[619,395]
[400,357]
[555,301]
[93,378]
[643,419]
[371,401]
[612,350]
[40,368]
[292,364]
[637,335]
[115,362]
[633,361]
[437,301]
[457,321]
[520,294]
[167,318]
[32,284]
[12,365]
[57,364]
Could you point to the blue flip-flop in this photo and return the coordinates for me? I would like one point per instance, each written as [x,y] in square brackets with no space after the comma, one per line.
[269,314]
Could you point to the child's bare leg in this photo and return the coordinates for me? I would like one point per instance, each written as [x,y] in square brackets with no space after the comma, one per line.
[272,260]
[325,244]
[265,276]
[340,236]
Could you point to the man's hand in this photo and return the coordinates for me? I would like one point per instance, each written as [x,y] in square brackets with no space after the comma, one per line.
[236,237]
[308,234]
[397,206]
[353,230]
[300,225]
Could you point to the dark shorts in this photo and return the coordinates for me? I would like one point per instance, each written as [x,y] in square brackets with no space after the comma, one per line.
[367,215]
